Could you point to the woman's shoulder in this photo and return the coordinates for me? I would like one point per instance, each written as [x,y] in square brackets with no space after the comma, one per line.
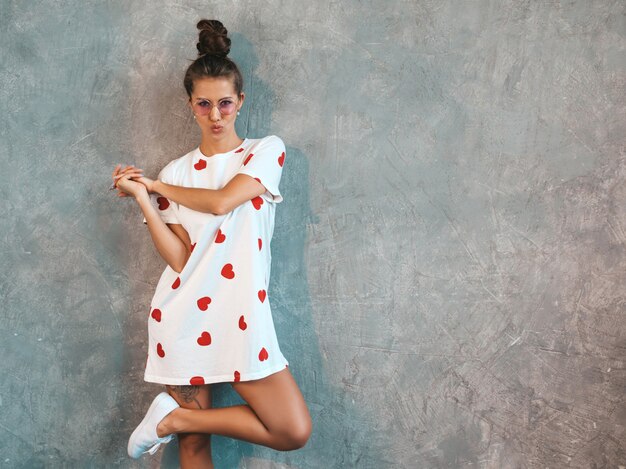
[176,166]
[268,141]
[272,138]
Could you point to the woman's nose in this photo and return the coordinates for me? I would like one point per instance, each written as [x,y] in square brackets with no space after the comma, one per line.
[215,114]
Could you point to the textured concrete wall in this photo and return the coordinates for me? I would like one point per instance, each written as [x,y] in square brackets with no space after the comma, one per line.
[449,267]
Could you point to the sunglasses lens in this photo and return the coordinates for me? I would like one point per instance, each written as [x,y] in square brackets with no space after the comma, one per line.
[227,107]
[203,108]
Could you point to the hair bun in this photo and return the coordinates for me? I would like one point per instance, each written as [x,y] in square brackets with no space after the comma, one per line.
[213,38]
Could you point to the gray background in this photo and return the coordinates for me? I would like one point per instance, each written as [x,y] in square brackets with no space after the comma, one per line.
[448,264]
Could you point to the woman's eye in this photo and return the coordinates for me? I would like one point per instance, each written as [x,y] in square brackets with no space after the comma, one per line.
[226,103]
[203,103]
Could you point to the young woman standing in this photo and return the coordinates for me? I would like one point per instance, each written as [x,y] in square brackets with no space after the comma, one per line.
[211,216]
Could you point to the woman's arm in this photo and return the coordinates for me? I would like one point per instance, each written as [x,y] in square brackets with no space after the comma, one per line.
[239,189]
[170,246]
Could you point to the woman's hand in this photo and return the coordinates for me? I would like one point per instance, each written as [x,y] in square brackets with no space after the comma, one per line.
[149,183]
[127,186]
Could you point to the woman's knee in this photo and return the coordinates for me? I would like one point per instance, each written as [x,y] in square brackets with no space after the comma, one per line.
[194,443]
[296,435]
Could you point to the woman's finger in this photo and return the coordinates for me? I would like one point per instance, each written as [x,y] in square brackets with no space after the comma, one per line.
[129,170]
[118,168]
[130,174]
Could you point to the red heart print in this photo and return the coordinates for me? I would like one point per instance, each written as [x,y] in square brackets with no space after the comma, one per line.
[281,159]
[196,381]
[200,165]
[176,283]
[242,324]
[257,202]
[193,246]
[248,159]
[260,243]
[258,180]
[160,351]
[163,203]
[204,302]
[205,338]
[262,295]
[220,236]
[237,376]
[239,151]
[263,355]
[156,314]
[227,271]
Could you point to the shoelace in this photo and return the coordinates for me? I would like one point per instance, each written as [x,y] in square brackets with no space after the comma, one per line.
[155,447]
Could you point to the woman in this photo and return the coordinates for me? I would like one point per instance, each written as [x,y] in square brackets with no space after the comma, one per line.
[211,216]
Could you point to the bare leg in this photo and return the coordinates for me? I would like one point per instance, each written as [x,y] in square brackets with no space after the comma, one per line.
[194,449]
[275,415]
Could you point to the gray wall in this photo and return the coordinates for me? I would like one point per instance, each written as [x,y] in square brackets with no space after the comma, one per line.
[449,264]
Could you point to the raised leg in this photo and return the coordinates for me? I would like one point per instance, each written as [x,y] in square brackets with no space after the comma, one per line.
[194,449]
[275,415]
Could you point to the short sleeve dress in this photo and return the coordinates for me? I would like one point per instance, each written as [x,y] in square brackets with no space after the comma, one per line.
[212,322]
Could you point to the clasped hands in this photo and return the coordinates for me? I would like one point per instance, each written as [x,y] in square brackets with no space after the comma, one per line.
[130,181]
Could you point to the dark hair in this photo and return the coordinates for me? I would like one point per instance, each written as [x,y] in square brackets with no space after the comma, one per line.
[213,48]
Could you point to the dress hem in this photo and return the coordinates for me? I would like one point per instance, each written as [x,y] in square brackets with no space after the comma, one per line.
[230,378]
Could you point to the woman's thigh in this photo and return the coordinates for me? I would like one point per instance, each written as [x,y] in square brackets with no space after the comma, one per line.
[193,397]
[279,404]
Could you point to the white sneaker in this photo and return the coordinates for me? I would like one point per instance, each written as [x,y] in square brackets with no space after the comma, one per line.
[145,439]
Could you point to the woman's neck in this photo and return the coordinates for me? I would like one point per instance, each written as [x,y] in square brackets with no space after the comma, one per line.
[209,146]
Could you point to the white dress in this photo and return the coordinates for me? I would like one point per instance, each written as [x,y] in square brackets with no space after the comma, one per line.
[212,322]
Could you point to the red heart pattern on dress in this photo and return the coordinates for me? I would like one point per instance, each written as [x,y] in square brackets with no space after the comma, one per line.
[156,314]
[204,302]
[163,203]
[205,338]
[196,380]
[228,272]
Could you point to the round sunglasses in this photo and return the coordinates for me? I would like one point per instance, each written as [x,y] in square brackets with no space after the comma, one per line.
[202,107]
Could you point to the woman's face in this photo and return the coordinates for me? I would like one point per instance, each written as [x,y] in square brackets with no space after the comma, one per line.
[209,97]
